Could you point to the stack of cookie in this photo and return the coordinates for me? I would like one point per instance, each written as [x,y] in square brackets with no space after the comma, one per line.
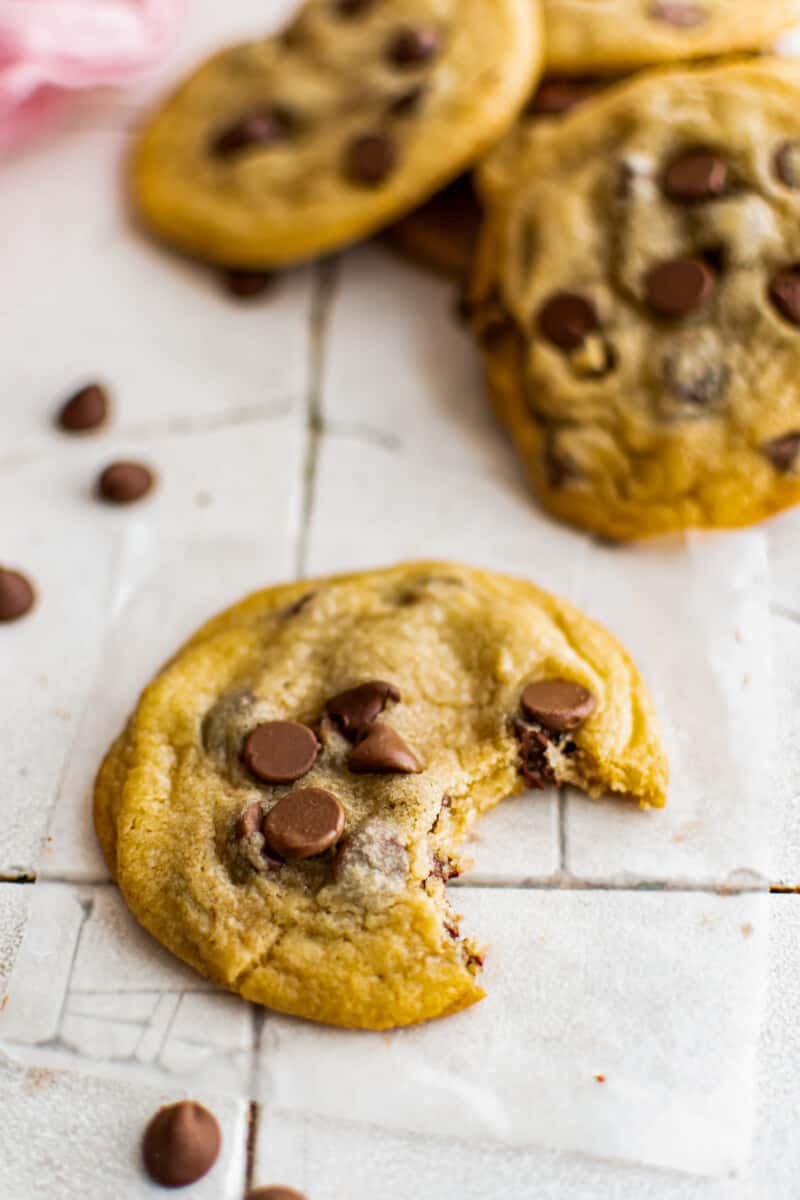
[636,278]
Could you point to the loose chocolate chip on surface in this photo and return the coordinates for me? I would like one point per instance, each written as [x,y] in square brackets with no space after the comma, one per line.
[557,95]
[86,409]
[413,46]
[280,751]
[181,1144]
[275,1192]
[304,823]
[558,704]
[784,291]
[381,751]
[675,288]
[357,707]
[567,319]
[16,595]
[783,452]
[787,163]
[245,285]
[262,127]
[682,16]
[125,482]
[250,821]
[370,158]
[694,176]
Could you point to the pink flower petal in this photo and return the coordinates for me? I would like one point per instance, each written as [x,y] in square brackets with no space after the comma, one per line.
[50,46]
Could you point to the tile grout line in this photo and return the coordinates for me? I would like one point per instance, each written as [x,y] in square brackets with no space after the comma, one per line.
[324,290]
[253,1122]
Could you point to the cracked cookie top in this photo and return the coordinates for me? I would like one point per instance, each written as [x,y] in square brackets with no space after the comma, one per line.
[638,300]
[277,150]
[612,35]
[286,804]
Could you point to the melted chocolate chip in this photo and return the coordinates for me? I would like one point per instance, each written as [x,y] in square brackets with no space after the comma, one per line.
[408,102]
[675,288]
[352,8]
[783,451]
[357,707]
[413,47]
[567,319]
[280,751]
[784,291]
[86,409]
[381,750]
[558,704]
[304,823]
[533,765]
[181,1144]
[250,821]
[125,482]
[259,128]
[16,595]
[370,159]
[695,176]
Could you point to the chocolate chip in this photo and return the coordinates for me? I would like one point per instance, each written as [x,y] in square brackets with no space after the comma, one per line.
[694,176]
[280,751]
[675,288]
[250,821]
[262,127]
[413,46]
[533,764]
[783,451]
[380,750]
[87,409]
[125,482]
[557,95]
[784,291]
[181,1144]
[561,469]
[357,707]
[567,319]
[682,16]
[16,595]
[558,704]
[245,285]
[275,1192]
[787,163]
[408,102]
[370,158]
[304,823]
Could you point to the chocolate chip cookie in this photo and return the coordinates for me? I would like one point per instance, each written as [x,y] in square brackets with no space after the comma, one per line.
[637,298]
[613,35]
[285,805]
[282,149]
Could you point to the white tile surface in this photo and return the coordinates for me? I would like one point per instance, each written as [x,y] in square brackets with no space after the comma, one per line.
[78,1137]
[335,1160]
[660,994]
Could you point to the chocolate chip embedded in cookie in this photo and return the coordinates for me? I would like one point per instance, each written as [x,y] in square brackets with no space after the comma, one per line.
[610,35]
[278,150]
[652,366]
[437,690]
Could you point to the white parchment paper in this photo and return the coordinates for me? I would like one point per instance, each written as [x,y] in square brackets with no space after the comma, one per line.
[617,1022]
